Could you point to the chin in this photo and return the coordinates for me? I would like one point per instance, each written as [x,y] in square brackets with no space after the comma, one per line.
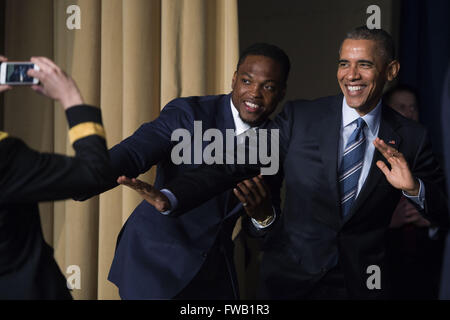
[251,121]
[354,104]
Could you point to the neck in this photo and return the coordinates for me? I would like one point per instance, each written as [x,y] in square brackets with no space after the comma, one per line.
[363,110]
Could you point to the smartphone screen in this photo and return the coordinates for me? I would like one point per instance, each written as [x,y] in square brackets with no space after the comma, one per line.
[17,73]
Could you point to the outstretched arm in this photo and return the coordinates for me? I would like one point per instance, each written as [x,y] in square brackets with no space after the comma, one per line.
[29,176]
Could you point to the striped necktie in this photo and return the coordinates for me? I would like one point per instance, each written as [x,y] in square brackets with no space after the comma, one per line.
[351,167]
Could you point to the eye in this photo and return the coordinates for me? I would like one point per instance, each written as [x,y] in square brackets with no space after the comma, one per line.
[245,81]
[269,87]
[343,64]
[365,65]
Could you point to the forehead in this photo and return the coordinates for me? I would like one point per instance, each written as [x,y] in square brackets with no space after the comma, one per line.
[359,49]
[260,65]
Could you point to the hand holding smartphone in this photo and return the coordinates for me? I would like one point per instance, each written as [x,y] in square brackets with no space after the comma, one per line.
[44,76]
[55,83]
[15,73]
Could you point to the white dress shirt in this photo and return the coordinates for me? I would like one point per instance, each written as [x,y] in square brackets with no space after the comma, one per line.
[372,120]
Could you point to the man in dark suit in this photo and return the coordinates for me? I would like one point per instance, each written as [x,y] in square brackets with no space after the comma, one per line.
[330,240]
[191,257]
[27,267]
[445,280]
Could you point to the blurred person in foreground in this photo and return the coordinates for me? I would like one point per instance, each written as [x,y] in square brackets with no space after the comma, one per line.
[28,269]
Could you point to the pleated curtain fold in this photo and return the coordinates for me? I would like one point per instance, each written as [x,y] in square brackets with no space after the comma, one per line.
[130,57]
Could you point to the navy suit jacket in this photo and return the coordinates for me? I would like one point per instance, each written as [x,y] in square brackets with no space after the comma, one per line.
[157,255]
[310,238]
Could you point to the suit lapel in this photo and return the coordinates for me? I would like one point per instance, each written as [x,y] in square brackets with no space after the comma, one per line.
[387,134]
[330,127]
[224,118]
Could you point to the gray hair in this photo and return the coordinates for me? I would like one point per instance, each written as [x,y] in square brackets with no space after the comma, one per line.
[384,40]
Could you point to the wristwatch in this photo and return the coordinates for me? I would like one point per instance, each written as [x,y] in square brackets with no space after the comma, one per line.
[266,221]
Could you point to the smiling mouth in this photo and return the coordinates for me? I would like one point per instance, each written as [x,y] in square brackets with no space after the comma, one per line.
[355,90]
[252,107]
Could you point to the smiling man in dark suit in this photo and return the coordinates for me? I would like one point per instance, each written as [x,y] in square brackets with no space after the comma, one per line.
[329,243]
[191,256]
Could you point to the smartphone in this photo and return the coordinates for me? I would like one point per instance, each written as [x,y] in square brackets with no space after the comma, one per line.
[15,73]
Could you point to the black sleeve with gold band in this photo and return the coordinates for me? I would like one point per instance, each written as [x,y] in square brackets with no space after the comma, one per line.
[29,176]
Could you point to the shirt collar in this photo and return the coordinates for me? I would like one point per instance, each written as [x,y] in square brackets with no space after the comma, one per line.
[372,119]
[240,125]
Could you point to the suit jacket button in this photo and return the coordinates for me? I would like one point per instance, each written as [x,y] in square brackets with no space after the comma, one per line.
[204,254]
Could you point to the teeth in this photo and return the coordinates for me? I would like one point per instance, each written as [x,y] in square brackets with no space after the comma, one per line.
[252,105]
[354,88]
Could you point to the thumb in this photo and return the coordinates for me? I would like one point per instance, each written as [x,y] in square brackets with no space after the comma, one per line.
[38,89]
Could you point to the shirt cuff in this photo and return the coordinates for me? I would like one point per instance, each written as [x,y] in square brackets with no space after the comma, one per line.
[433,232]
[260,227]
[420,198]
[172,200]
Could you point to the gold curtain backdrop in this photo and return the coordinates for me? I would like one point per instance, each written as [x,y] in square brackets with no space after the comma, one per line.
[130,58]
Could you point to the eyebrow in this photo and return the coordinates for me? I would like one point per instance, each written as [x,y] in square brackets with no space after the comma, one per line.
[250,76]
[359,61]
[365,61]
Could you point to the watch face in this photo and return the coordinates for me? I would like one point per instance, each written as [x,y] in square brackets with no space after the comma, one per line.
[266,221]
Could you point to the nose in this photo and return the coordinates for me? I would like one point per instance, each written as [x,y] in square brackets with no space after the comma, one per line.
[255,91]
[353,73]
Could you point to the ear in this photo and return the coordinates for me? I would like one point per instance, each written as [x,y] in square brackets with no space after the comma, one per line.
[392,70]
[233,81]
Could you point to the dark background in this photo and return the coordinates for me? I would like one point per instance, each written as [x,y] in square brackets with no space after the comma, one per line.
[311,31]
[2,49]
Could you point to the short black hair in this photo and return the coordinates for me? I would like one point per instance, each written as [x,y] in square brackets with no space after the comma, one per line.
[400,88]
[270,51]
[383,39]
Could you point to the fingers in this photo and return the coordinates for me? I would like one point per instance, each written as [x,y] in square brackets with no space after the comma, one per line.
[3,58]
[383,167]
[153,196]
[55,83]
[37,88]
[261,186]
[391,154]
[247,189]
[45,64]
[134,183]
[5,88]
[252,193]
[46,67]
[123,180]
[240,196]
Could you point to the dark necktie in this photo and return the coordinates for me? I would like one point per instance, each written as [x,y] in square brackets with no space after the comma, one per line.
[351,167]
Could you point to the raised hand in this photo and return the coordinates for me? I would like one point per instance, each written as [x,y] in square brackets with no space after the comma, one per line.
[254,195]
[399,176]
[4,87]
[153,196]
[55,83]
